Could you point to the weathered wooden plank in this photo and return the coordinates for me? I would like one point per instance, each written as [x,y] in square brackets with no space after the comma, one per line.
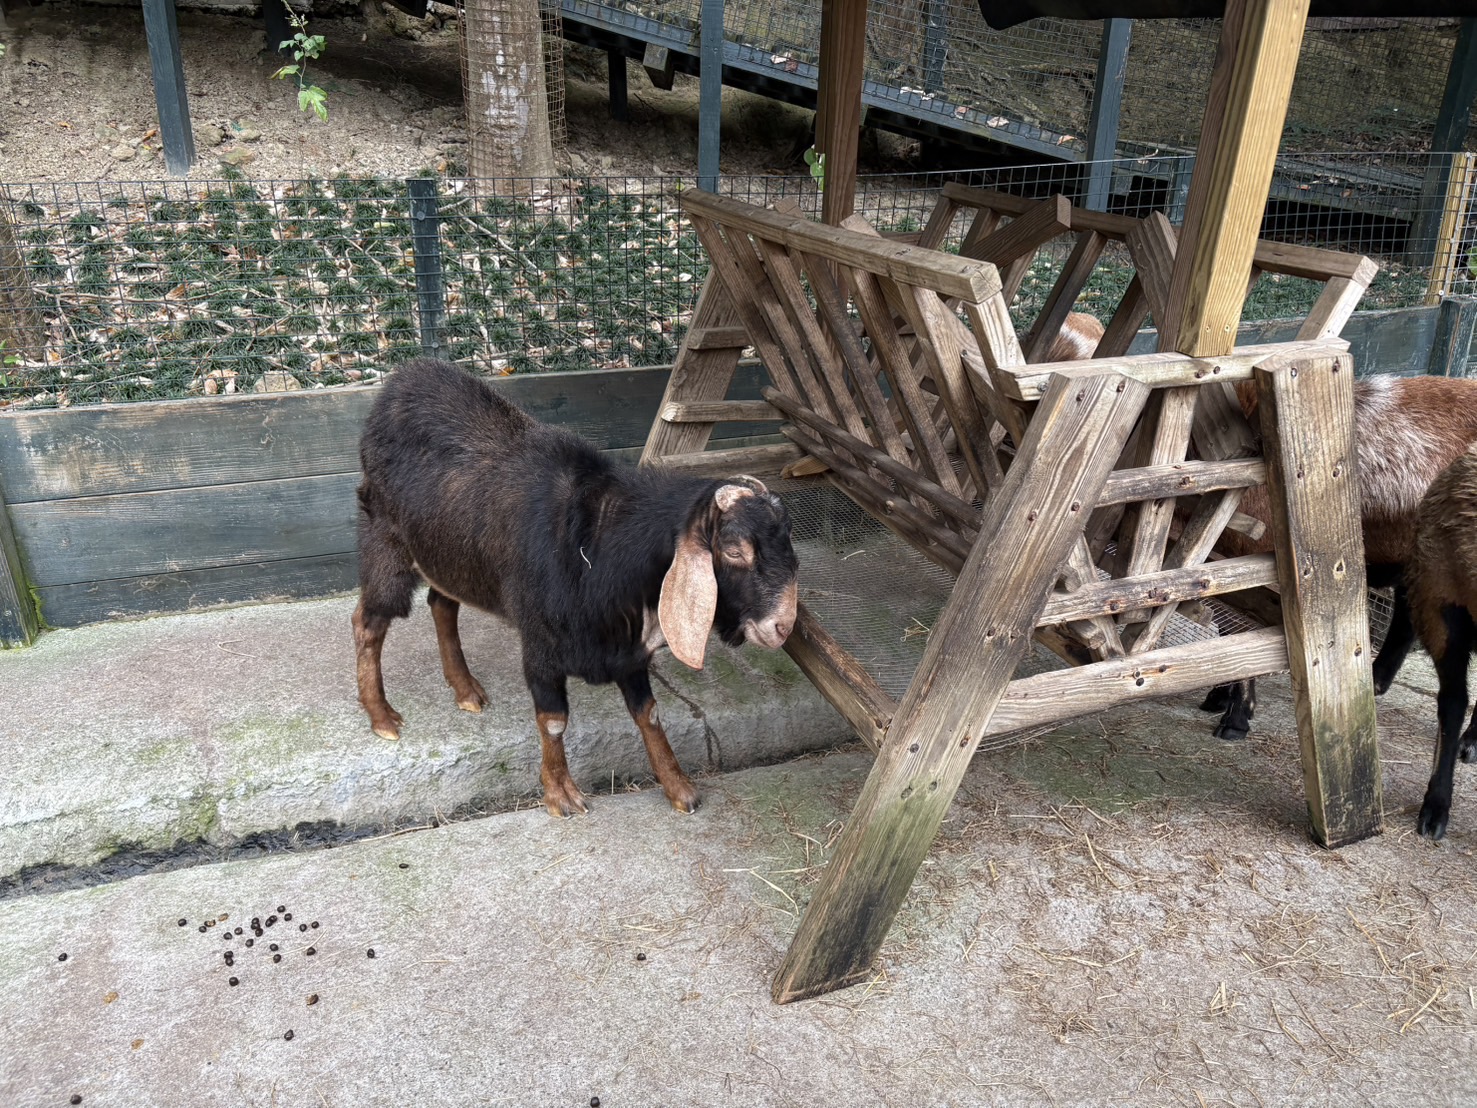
[1202,530]
[1249,89]
[718,411]
[1122,331]
[1028,527]
[840,678]
[1062,694]
[1451,232]
[19,624]
[1451,345]
[95,538]
[1161,370]
[1170,586]
[1145,527]
[757,461]
[107,449]
[946,274]
[1307,415]
[1336,304]
[1181,479]
[1152,245]
[155,594]
[1099,633]
[1026,233]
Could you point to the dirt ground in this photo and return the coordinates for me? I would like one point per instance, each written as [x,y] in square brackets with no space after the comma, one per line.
[78,105]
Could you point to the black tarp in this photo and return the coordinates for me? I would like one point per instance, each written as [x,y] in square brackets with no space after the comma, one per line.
[1007,13]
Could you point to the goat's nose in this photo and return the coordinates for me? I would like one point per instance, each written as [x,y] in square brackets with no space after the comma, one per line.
[782,629]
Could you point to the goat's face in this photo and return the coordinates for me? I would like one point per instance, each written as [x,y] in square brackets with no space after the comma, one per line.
[734,571]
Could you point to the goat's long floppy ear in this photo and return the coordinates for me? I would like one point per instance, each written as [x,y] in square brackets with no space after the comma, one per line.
[689,599]
[690,589]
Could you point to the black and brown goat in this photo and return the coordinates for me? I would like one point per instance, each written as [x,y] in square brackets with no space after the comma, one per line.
[1406,431]
[595,564]
[1443,601]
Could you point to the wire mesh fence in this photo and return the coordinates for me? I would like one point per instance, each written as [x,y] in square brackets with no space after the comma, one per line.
[512,60]
[153,290]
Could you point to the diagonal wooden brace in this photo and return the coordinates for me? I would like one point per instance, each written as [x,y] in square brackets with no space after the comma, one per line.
[1028,527]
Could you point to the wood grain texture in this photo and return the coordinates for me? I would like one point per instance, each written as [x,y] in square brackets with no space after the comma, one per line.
[1249,89]
[1170,586]
[1063,296]
[1025,234]
[1062,694]
[1181,479]
[838,118]
[946,274]
[1028,528]
[1162,370]
[1307,416]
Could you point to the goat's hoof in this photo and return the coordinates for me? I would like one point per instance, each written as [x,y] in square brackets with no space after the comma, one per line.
[564,800]
[1230,732]
[683,797]
[1432,822]
[472,698]
[1382,683]
[387,725]
[1467,751]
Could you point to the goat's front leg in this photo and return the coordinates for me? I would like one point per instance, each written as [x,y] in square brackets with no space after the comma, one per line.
[470,695]
[636,688]
[369,640]
[1451,707]
[1235,723]
[1398,640]
[551,711]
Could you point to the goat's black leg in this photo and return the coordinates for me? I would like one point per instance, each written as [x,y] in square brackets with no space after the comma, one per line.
[1398,640]
[387,581]
[470,695]
[551,712]
[1217,699]
[1240,709]
[1451,709]
[636,688]
[1467,751]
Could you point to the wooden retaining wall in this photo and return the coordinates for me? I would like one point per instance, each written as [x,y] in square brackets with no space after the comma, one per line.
[125,510]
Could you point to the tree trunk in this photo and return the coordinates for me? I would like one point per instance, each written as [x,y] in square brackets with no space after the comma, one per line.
[507,101]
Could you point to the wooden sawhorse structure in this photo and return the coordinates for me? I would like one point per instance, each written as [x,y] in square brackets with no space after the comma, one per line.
[895,367]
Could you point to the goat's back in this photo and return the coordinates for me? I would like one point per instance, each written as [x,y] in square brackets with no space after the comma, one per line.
[1406,431]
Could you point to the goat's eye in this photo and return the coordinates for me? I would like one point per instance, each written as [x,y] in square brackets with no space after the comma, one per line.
[740,554]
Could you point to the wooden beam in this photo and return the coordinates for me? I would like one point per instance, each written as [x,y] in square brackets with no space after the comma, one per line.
[1451,345]
[620,101]
[1064,693]
[1249,89]
[838,114]
[1169,586]
[1162,369]
[1447,137]
[1307,415]
[1028,527]
[1446,251]
[759,461]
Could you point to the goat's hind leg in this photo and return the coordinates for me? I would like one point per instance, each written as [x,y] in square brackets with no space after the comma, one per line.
[681,792]
[1451,658]
[387,581]
[1240,708]
[470,695]
[1399,637]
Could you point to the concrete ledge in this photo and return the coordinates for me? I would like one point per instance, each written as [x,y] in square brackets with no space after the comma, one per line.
[217,726]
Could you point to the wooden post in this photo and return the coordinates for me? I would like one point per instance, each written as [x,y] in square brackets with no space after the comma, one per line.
[710,93]
[425,240]
[162,32]
[1307,415]
[1254,67]
[20,623]
[838,113]
[620,105]
[1027,529]
[1451,213]
[935,43]
[1107,109]
[1448,136]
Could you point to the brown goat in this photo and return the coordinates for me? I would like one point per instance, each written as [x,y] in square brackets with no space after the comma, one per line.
[1406,431]
[1443,602]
